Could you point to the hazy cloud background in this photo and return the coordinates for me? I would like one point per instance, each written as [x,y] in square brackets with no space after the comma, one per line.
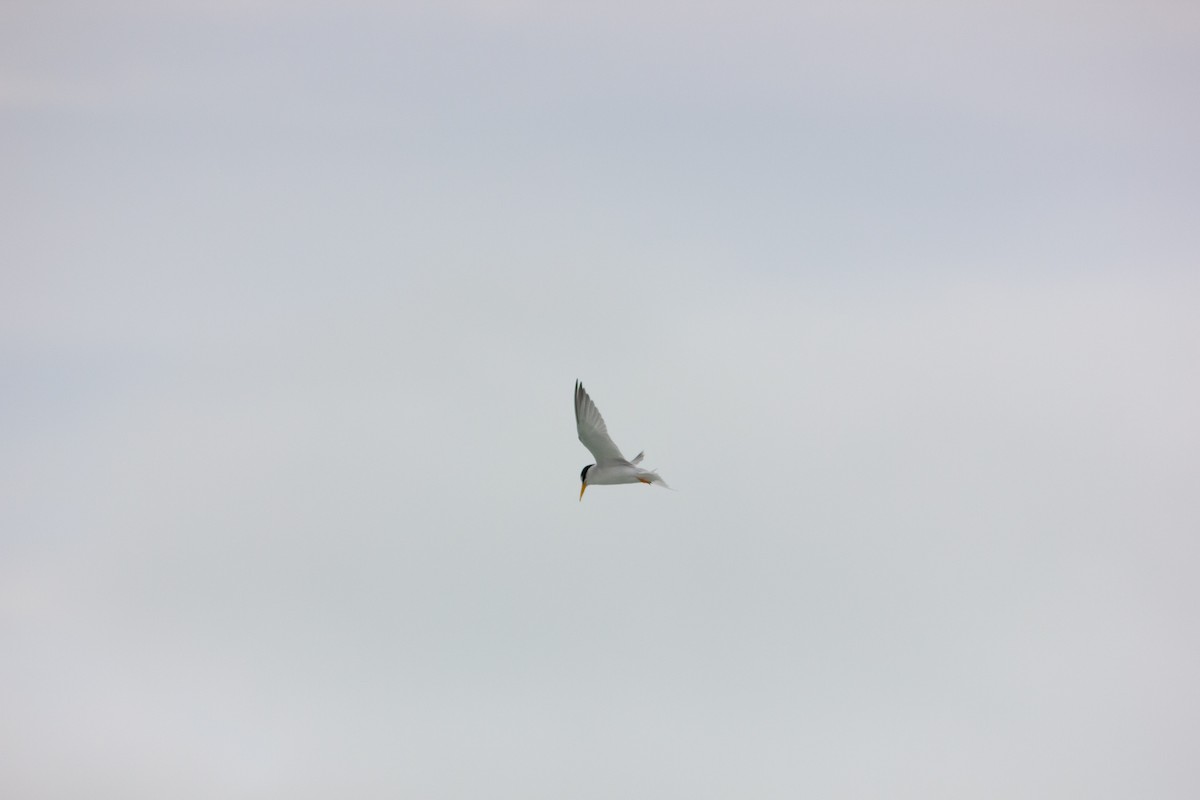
[901,297]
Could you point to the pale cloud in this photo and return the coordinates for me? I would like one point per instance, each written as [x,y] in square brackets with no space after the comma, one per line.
[293,301]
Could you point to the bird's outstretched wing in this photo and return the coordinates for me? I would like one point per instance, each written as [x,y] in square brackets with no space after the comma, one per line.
[592,430]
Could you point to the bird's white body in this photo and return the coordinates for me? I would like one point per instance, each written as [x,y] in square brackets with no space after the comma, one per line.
[614,472]
[611,468]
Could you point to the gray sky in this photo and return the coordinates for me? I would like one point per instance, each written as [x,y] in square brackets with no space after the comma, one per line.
[902,298]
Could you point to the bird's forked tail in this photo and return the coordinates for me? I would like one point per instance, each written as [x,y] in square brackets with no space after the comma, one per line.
[652,478]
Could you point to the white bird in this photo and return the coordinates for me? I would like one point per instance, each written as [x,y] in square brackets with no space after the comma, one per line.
[611,467]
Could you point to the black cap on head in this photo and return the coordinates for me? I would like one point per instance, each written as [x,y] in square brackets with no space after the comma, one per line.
[583,474]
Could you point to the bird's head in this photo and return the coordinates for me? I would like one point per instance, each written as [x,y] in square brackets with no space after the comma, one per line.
[583,480]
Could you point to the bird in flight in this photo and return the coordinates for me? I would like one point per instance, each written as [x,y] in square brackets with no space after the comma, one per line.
[611,467]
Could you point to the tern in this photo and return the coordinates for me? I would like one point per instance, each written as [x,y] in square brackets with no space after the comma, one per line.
[611,467]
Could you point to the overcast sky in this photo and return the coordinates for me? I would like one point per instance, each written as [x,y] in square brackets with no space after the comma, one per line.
[902,298]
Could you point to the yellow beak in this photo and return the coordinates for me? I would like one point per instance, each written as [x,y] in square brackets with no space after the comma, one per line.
[582,489]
